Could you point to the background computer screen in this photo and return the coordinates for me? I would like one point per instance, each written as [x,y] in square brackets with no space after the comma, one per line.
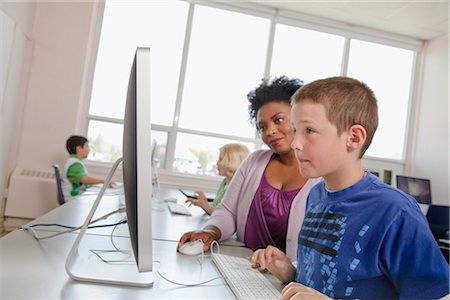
[137,165]
[419,188]
[374,173]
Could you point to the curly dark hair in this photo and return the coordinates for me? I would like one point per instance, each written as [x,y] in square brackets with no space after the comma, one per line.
[279,89]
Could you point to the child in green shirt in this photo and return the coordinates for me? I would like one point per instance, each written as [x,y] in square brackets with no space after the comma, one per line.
[76,176]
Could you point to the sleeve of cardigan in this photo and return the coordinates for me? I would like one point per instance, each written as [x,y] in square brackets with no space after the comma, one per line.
[225,215]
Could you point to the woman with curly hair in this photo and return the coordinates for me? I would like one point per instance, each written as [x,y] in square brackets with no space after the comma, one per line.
[265,201]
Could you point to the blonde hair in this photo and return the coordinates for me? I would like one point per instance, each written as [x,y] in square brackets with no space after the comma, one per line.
[233,155]
[347,102]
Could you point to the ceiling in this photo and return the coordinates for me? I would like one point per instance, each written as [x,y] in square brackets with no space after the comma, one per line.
[424,20]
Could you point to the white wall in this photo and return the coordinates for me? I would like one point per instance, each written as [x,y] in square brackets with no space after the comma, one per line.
[16,25]
[59,33]
[43,92]
[432,132]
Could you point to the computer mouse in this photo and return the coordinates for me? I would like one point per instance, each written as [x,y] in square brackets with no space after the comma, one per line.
[195,249]
[171,199]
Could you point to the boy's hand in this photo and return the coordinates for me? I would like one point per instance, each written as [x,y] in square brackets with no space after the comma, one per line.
[275,261]
[297,291]
[112,185]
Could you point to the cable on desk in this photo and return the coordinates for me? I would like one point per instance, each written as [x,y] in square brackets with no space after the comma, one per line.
[200,259]
[211,247]
[98,252]
[183,284]
[73,228]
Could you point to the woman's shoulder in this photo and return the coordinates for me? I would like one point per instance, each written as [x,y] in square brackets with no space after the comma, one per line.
[259,155]
[255,162]
[261,152]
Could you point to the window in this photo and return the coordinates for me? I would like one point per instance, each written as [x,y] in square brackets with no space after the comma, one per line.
[207,57]
[306,54]
[387,70]
[105,139]
[226,59]
[198,154]
[124,28]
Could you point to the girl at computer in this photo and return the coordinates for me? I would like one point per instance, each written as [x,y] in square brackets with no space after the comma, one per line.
[230,157]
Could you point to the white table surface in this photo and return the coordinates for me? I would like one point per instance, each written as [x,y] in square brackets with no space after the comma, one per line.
[34,269]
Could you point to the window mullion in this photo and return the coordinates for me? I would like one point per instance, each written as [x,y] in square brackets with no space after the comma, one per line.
[270,42]
[345,57]
[172,138]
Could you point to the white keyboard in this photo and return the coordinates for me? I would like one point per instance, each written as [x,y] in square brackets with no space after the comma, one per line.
[179,209]
[245,282]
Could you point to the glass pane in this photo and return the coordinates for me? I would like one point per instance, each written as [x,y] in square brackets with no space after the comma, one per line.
[306,54]
[161,145]
[226,60]
[387,70]
[198,154]
[159,25]
[105,140]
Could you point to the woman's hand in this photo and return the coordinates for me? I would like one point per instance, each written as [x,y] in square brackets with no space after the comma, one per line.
[297,291]
[275,261]
[201,201]
[207,235]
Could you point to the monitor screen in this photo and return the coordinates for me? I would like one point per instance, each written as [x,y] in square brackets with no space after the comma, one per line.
[374,173]
[137,165]
[419,188]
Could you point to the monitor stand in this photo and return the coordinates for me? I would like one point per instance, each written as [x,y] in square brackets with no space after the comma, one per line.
[90,268]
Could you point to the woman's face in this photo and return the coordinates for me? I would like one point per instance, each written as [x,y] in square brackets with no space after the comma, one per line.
[273,122]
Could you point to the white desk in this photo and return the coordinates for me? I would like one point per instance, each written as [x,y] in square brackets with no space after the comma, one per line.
[32,269]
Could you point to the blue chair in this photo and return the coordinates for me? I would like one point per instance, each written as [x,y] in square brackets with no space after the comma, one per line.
[61,199]
[438,218]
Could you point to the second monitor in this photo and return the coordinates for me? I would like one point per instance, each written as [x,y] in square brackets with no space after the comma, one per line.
[419,188]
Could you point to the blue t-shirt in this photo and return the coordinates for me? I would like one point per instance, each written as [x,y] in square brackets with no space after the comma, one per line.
[369,241]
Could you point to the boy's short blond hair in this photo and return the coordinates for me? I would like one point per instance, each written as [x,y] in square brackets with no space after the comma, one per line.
[233,155]
[347,102]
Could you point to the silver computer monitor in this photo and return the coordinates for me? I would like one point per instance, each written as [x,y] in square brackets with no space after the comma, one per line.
[137,160]
[137,184]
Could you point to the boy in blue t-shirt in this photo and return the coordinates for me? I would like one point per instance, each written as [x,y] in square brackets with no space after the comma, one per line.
[360,237]
[76,177]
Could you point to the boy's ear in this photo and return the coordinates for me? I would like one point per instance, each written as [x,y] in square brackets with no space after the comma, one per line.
[78,149]
[356,137]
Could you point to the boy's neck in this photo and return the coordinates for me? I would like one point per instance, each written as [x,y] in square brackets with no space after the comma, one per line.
[344,178]
[76,156]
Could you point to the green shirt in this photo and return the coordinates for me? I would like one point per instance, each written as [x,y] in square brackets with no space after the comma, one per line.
[220,193]
[75,172]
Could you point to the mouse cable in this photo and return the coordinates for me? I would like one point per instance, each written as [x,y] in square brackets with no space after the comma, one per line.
[200,259]
[180,283]
[211,247]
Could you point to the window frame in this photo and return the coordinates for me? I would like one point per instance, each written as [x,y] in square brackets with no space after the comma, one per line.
[275,16]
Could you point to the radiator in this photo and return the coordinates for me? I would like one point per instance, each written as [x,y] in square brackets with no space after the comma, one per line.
[31,193]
